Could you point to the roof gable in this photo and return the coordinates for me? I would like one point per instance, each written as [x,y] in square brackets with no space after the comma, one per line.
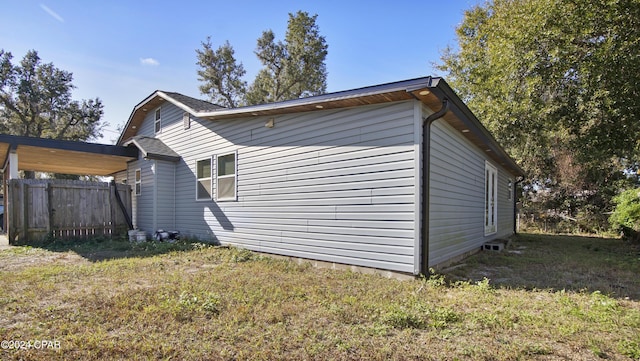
[188,104]
[153,148]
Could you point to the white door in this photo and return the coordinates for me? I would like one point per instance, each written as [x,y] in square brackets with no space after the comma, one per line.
[490,199]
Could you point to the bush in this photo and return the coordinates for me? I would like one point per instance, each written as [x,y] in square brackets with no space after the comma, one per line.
[626,215]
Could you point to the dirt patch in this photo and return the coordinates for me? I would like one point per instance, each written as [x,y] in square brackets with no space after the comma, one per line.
[18,258]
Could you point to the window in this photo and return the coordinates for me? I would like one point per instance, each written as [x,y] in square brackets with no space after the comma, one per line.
[138,182]
[226,177]
[157,123]
[490,199]
[510,189]
[186,120]
[203,181]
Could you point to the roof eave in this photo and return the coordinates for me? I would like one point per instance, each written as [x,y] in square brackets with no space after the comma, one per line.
[475,127]
[316,102]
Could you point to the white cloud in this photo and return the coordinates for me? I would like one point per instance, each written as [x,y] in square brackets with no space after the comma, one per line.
[149,61]
[52,13]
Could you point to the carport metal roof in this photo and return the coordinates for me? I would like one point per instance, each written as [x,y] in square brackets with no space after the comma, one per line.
[65,156]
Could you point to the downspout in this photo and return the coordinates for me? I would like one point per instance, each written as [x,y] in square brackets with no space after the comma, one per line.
[426,172]
[515,203]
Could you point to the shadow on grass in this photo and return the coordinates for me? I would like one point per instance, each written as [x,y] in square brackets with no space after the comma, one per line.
[100,249]
[557,262]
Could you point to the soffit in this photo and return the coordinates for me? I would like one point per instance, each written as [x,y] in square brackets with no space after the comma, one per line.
[66,157]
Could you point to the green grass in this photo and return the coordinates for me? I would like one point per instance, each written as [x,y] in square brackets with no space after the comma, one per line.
[192,301]
[573,263]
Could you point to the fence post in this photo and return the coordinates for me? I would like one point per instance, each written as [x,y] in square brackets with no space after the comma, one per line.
[25,209]
[112,189]
[11,213]
[50,209]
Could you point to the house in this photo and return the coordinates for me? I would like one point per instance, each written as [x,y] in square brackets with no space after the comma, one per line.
[338,178]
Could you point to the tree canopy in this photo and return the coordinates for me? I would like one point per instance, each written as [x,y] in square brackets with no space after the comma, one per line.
[220,74]
[35,100]
[558,83]
[292,68]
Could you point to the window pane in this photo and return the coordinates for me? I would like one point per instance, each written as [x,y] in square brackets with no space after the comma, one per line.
[227,187]
[204,168]
[227,164]
[186,120]
[204,189]
[157,114]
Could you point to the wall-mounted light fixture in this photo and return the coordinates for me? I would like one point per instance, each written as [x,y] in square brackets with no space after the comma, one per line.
[270,123]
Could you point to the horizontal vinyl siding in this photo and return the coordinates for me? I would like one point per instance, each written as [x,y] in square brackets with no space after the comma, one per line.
[335,185]
[120,177]
[456,214]
[165,183]
[143,203]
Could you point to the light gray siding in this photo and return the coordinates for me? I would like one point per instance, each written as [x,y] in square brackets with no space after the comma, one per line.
[335,185]
[142,204]
[456,214]
[165,216]
[155,207]
[120,177]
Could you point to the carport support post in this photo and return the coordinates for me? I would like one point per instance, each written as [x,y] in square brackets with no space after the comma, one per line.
[9,209]
[13,164]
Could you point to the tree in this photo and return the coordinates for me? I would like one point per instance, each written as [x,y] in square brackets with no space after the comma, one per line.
[292,69]
[626,215]
[220,74]
[557,83]
[35,101]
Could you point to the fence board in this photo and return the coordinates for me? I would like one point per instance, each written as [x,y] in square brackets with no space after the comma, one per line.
[65,209]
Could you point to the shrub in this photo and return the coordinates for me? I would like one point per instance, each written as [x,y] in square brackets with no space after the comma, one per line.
[626,215]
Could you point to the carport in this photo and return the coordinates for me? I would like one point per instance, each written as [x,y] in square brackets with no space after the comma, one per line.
[21,153]
[62,156]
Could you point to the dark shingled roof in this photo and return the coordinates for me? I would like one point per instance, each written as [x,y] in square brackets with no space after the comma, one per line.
[153,148]
[196,104]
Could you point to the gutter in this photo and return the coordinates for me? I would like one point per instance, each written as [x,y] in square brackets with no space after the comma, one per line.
[426,172]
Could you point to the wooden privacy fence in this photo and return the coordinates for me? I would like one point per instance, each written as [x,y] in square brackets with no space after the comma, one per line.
[65,209]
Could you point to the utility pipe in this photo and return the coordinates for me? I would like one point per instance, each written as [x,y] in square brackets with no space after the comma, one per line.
[426,170]
[515,204]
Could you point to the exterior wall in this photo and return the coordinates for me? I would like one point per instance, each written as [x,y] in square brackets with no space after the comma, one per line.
[142,204]
[120,177]
[155,207]
[336,185]
[456,214]
[165,195]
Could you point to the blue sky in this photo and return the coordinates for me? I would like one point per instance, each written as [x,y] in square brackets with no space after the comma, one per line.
[121,51]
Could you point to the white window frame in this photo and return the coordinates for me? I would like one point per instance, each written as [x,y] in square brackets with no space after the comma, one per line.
[137,176]
[490,199]
[209,178]
[227,176]
[510,189]
[157,120]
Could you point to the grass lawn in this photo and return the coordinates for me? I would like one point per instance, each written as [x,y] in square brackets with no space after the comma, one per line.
[545,298]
